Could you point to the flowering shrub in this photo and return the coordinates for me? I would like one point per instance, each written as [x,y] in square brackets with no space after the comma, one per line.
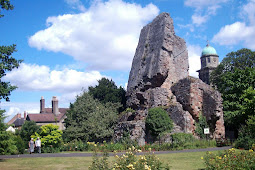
[76,145]
[126,161]
[231,159]
[130,160]
[99,163]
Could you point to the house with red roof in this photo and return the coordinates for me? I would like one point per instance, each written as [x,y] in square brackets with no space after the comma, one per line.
[54,115]
[17,121]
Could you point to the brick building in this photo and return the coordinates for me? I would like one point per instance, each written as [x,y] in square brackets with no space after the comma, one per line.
[17,121]
[54,115]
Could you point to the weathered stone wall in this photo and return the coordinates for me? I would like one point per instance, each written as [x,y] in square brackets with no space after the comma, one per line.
[161,59]
[159,77]
[197,98]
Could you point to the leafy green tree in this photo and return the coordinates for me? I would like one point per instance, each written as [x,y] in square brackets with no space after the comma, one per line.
[5,4]
[90,120]
[50,135]
[200,125]
[27,130]
[7,143]
[7,62]
[2,124]
[232,77]
[158,121]
[248,106]
[20,144]
[107,91]
[246,136]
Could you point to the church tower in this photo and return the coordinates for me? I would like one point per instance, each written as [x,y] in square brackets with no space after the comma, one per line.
[209,61]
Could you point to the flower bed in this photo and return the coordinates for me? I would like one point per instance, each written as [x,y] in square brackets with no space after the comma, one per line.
[231,159]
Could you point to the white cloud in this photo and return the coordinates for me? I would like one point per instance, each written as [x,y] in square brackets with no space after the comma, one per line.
[235,33]
[204,9]
[105,36]
[194,52]
[198,19]
[248,11]
[200,4]
[30,77]
[12,108]
[239,32]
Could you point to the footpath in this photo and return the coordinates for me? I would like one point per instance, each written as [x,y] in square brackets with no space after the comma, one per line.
[85,154]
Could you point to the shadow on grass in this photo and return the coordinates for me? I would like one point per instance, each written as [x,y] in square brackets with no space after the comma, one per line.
[2,160]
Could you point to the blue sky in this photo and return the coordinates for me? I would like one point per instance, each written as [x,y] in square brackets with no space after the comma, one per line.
[67,45]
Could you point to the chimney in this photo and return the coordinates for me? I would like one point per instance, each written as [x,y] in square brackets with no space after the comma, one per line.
[19,115]
[42,105]
[55,105]
[25,115]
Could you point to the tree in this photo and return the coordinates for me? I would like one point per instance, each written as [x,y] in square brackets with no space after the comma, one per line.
[27,130]
[50,136]
[5,4]
[107,91]
[158,121]
[232,77]
[248,106]
[7,143]
[20,144]
[200,125]
[90,120]
[7,63]
[246,136]
[2,124]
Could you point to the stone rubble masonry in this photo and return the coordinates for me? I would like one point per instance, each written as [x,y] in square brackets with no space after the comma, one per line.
[159,77]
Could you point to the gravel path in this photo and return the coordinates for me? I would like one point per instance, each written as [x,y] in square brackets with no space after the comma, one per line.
[77,154]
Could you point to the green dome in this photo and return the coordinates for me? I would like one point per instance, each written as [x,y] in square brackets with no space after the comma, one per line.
[209,50]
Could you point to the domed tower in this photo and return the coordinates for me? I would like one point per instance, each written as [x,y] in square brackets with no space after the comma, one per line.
[209,61]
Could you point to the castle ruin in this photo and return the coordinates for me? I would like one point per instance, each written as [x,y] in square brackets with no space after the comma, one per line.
[159,77]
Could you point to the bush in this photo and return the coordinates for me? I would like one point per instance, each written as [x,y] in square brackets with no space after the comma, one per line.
[180,139]
[200,125]
[246,136]
[126,161]
[158,121]
[28,128]
[76,145]
[20,144]
[99,163]
[50,149]
[50,136]
[7,143]
[230,159]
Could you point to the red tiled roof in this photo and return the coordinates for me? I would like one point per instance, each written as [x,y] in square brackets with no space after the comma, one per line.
[45,117]
[61,110]
[12,120]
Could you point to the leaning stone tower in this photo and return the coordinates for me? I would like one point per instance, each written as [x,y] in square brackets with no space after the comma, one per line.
[209,61]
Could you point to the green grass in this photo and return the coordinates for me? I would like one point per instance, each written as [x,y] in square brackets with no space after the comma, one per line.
[177,161]
[184,161]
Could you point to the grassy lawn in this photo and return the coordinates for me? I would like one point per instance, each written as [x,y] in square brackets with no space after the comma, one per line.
[177,161]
